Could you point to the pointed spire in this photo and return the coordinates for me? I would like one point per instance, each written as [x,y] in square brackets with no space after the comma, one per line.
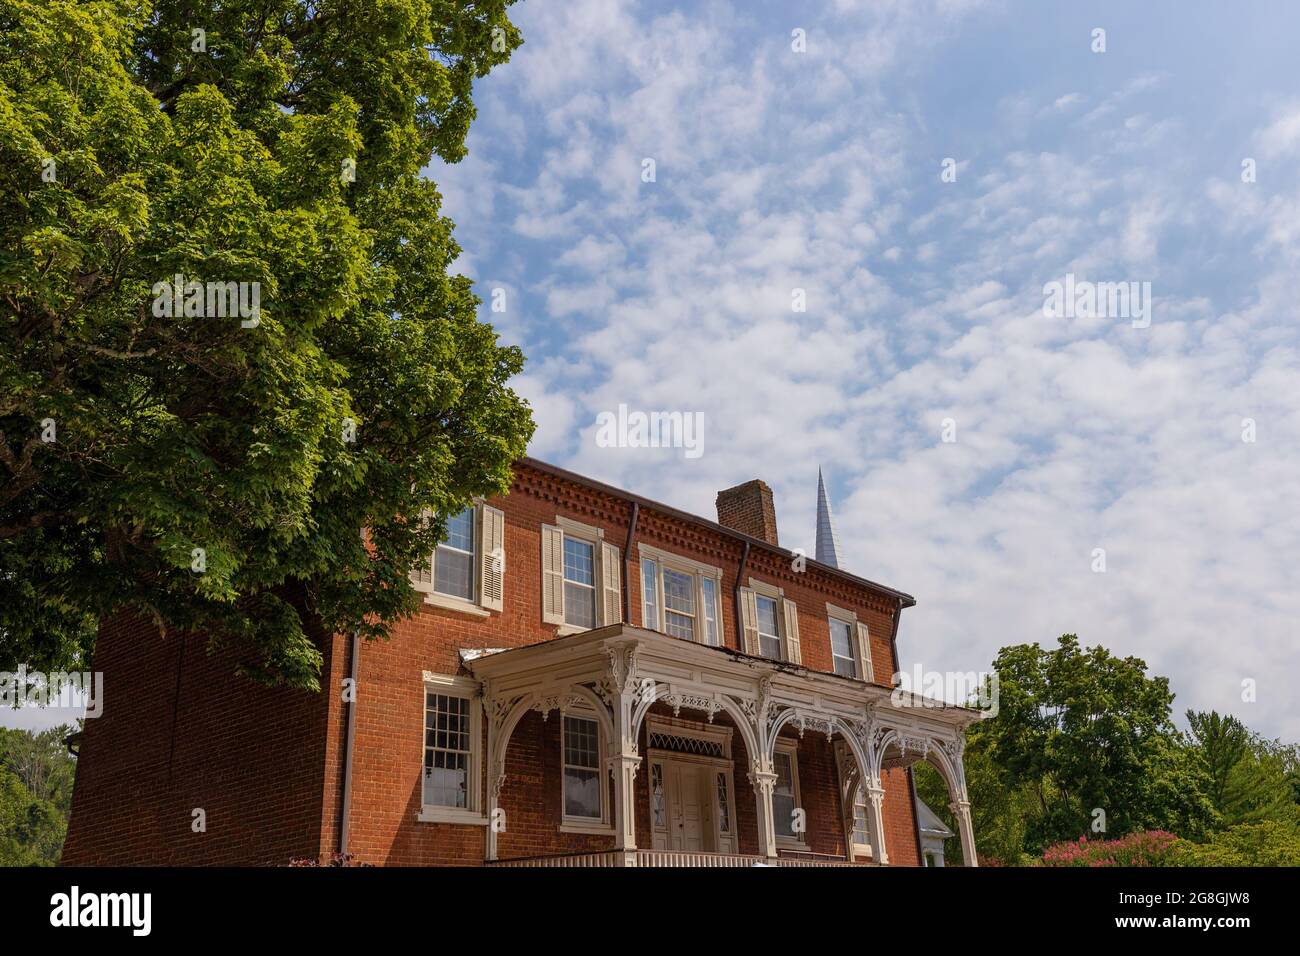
[827,551]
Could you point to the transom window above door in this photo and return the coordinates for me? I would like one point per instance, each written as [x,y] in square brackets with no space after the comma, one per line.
[680,597]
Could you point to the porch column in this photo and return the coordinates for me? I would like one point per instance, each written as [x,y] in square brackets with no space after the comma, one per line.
[961,811]
[763,777]
[876,820]
[495,776]
[624,763]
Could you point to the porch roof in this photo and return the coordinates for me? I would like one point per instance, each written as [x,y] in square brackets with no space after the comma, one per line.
[688,666]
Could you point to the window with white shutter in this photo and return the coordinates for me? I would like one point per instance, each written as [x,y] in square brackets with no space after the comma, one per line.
[582,577]
[867,672]
[466,571]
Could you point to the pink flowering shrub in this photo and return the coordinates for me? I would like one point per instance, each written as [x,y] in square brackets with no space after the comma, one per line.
[1152,848]
[334,859]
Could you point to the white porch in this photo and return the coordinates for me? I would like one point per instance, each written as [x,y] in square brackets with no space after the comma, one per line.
[618,673]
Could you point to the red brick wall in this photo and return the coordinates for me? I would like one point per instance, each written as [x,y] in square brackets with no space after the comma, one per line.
[252,758]
[749,509]
[267,765]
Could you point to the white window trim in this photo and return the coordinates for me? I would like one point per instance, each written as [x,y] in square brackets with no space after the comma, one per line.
[843,758]
[570,824]
[472,814]
[580,530]
[845,616]
[594,537]
[785,745]
[774,594]
[683,565]
[451,602]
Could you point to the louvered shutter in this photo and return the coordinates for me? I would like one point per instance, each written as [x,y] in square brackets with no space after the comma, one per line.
[422,573]
[612,587]
[492,558]
[791,635]
[749,619]
[552,575]
[865,670]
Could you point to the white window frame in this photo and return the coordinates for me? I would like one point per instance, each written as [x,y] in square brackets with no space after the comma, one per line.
[467,689]
[844,761]
[844,616]
[790,748]
[568,824]
[588,534]
[776,594]
[697,570]
[452,602]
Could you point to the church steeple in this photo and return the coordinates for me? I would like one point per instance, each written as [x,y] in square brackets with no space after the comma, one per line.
[827,551]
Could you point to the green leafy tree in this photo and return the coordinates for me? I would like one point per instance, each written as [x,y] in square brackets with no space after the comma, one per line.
[1000,809]
[36,775]
[1252,777]
[1083,730]
[1223,742]
[217,472]
[1269,843]
[42,762]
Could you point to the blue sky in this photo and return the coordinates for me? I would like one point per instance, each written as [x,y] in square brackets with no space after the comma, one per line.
[777,170]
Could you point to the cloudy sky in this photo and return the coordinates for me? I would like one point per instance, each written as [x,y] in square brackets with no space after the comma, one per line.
[778,170]
[820,170]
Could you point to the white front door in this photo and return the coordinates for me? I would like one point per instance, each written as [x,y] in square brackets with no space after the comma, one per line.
[688,817]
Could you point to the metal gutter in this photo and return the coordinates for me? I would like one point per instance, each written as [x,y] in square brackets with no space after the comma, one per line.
[735,599]
[627,558]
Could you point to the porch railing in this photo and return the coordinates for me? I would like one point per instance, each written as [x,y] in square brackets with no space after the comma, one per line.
[667,858]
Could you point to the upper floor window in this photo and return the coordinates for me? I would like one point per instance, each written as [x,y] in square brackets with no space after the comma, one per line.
[850,644]
[579,583]
[842,648]
[466,571]
[453,562]
[582,577]
[769,634]
[771,623]
[680,596]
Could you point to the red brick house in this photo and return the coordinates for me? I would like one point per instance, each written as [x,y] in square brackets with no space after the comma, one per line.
[593,679]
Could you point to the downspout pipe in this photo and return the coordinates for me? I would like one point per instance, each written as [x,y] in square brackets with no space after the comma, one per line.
[911,775]
[627,563]
[345,810]
[735,599]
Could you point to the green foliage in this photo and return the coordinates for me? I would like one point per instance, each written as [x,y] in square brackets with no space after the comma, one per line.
[1253,778]
[177,433]
[1270,843]
[36,775]
[1000,810]
[1223,742]
[1080,730]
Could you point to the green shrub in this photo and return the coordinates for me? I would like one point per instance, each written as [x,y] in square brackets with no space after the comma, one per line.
[1248,844]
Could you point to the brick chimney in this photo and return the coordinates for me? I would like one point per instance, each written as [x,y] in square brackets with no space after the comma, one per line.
[748,509]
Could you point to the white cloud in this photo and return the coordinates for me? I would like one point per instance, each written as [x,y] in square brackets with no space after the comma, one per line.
[924,301]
